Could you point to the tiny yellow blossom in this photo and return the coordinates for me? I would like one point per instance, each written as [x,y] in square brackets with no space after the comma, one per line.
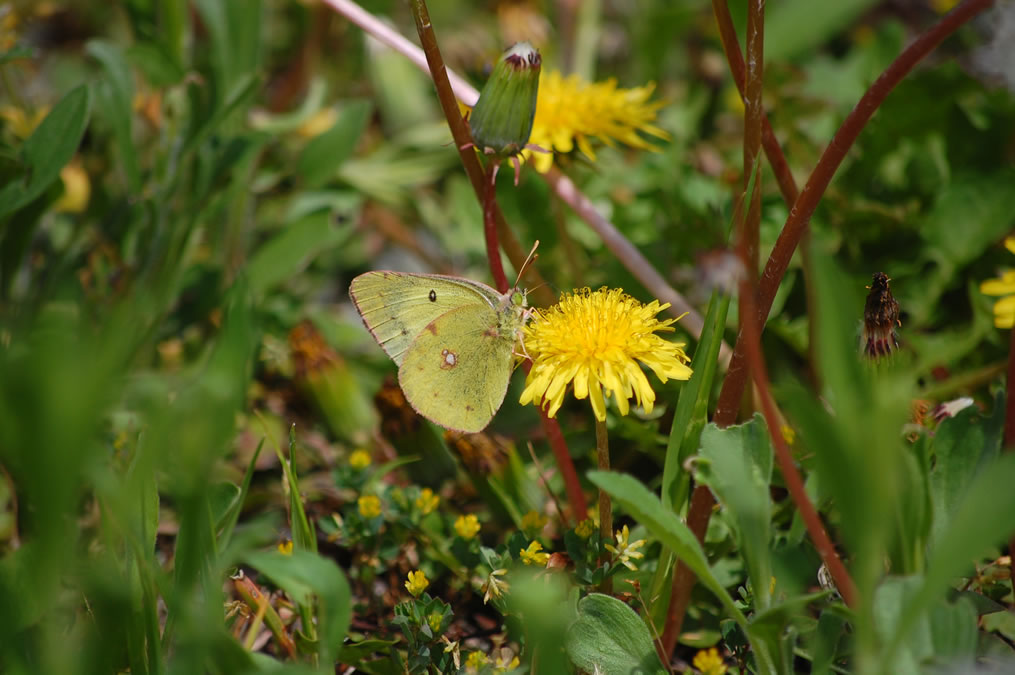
[315,125]
[585,528]
[570,112]
[427,501]
[369,506]
[709,662]
[77,189]
[286,547]
[1004,309]
[359,459]
[475,661]
[788,434]
[599,340]
[467,527]
[434,620]
[494,587]
[624,551]
[533,520]
[20,123]
[533,556]
[506,661]
[416,583]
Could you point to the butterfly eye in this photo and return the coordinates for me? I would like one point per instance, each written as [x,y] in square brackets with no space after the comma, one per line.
[433,295]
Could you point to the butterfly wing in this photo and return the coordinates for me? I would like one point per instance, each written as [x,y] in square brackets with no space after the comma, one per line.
[457,370]
[396,306]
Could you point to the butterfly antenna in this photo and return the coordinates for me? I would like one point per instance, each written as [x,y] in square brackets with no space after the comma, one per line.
[528,261]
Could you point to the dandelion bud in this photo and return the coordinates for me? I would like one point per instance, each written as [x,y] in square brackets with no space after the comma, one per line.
[502,119]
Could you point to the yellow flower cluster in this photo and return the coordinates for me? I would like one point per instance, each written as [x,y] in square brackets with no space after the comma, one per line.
[369,506]
[625,551]
[533,555]
[427,501]
[359,459]
[709,662]
[467,527]
[534,521]
[416,583]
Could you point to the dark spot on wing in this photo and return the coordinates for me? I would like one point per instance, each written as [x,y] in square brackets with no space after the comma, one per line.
[491,332]
[469,408]
[431,327]
[405,331]
[433,295]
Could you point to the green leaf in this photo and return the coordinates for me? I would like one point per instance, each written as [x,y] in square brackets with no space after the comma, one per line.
[957,445]
[306,575]
[738,469]
[795,27]
[982,203]
[692,405]
[608,637]
[324,154]
[48,150]
[283,256]
[116,98]
[984,517]
[646,508]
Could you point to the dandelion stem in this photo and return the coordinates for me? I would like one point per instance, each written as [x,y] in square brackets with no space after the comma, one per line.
[796,224]
[605,506]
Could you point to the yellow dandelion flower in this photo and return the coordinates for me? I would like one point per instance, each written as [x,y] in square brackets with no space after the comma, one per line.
[359,459]
[709,662]
[585,528]
[624,551]
[533,555]
[1004,309]
[597,339]
[369,506]
[533,520]
[416,583]
[494,587]
[286,547]
[427,501]
[475,661]
[570,112]
[467,527]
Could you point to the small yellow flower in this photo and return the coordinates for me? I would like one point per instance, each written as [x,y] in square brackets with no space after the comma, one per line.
[318,123]
[533,556]
[533,520]
[1004,309]
[416,583]
[467,526]
[77,189]
[585,528]
[475,661]
[570,112]
[506,661]
[597,339]
[434,620]
[286,547]
[427,501]
[788,434]
[624,551]
[20,123]
[709,662]
[359,459]
[494,587]
[369,506]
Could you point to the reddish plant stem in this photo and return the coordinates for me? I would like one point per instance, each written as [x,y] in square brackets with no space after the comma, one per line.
[1009,440]
[463,141]
[794,482]
[831,158]
[736,377]
[490,231]
[573,487]
[754,113]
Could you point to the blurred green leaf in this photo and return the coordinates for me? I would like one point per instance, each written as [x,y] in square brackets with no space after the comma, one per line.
[306,576]
[609,637]
[323,155]
[48,150]
[283,256]
[116,98]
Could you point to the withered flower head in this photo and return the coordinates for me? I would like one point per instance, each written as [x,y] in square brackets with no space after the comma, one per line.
[880,317]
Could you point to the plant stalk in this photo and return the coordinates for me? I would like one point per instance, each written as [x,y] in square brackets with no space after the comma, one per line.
[605,506]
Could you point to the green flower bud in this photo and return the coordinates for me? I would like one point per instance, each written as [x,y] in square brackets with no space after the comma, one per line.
[502,119]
